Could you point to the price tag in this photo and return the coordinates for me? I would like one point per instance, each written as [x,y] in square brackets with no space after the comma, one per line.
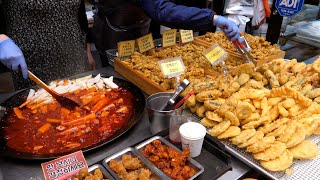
[64,167]
[126,48]
[215,54]
[169,37]
[145,43]
[186,35]
[172,67]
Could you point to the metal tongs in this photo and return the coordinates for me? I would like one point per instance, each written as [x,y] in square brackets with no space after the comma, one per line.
[171,102]
[244,48]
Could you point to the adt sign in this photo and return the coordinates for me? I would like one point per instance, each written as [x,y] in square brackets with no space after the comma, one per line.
[289,8]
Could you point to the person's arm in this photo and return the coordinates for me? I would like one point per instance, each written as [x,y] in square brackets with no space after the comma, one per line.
[183,17]
[178,16]
[11,55]
[83,21]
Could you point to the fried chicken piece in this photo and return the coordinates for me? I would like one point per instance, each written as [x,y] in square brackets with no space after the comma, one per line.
[133,175]
[148,150]
[118,167]
[97,173]
[131,163]
[172,152]
[144,174]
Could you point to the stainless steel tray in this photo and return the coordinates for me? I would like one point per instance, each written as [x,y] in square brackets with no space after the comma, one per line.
[103,170]
[192,163]
[302,169]
[130,151]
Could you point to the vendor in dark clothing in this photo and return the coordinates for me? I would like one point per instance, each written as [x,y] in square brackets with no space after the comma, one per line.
[124,20]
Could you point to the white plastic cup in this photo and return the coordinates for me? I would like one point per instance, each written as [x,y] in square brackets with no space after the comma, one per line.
[192,135]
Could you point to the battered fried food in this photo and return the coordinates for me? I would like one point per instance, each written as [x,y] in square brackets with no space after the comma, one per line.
[298,136]
[270,127]
[277,132]
[280,163]
[144,174]
[261,145]
[130,162]
[232,131]
[258,136]
[305,150]
[243,136]
[220,128]
[133,175]
[208,123]
[211,105]
[229,116]
[257,123]
[291,128]
[274,151]
[213,116]
[253,117]
[118,167]
[207,95]
[244,110]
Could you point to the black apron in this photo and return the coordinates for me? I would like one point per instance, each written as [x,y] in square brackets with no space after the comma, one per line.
[118,20]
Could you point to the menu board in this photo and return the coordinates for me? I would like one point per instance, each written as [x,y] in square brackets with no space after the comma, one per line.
[64,167]
[169,37]
[186,36]
[126,48]
[145,43]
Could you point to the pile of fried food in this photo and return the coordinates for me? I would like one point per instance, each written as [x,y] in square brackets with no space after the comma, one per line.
[260,48]
[196,64]
[169,160]
[268,112]
[85,175]
[130,168]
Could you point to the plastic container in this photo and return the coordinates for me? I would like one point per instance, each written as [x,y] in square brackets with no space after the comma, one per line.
[192,135]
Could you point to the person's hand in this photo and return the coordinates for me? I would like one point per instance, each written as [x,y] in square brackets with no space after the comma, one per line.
[229,27]
[92,62]
[12,57]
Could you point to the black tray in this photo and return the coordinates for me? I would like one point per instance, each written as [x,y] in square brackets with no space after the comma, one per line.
[213,158]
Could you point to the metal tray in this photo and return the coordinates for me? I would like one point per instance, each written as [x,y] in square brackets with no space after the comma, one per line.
[302,169]
[192,163]
[105,173]
[156,175]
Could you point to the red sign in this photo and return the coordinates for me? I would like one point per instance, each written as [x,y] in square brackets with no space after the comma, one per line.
[64,167]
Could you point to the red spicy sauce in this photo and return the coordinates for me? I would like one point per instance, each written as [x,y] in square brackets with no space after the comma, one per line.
[69,131]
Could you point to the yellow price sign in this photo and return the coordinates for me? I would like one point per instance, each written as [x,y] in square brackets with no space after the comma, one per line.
[186,36]
[215,54]
[172,67]
[126,48]
[169,37]
[145,43]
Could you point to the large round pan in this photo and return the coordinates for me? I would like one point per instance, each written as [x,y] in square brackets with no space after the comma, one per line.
[20,97]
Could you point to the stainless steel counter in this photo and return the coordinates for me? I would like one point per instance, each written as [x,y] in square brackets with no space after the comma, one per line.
[15,169]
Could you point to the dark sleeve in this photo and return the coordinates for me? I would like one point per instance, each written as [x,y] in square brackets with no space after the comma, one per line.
[83,21]
[2,19]
[178,16]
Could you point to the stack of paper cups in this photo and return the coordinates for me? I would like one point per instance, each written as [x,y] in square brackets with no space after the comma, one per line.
[192,135]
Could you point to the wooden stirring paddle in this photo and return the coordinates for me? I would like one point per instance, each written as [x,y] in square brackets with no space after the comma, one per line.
[64,101]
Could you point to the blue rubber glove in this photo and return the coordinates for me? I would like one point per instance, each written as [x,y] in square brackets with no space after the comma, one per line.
[12,57]
[229,27]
